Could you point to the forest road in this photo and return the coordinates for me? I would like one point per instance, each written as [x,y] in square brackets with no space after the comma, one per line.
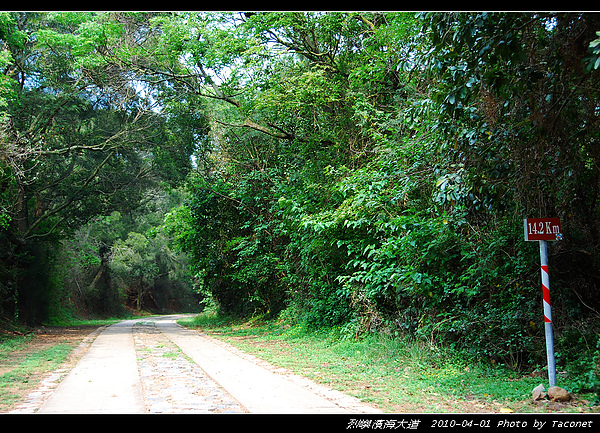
[154,365]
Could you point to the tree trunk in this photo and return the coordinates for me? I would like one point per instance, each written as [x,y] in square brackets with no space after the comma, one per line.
[140,294]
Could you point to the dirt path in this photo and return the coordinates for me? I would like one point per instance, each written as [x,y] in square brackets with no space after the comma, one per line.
[155,366]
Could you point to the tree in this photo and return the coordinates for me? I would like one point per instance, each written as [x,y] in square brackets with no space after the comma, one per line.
[291,107]
[365,169]
[518,110]
[79,139]
[514,109]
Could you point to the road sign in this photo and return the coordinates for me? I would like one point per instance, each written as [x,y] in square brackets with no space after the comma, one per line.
[542,229]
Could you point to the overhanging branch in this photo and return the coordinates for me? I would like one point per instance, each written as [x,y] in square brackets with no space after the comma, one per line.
[253,125]
[46,215]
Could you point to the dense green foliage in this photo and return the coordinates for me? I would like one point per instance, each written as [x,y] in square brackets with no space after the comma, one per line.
[368,170]
[79,140]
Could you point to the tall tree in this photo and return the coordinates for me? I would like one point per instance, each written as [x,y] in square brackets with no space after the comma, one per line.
[297,97]
[79,138]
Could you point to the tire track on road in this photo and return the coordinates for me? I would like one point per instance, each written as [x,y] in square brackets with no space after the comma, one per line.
[171,382]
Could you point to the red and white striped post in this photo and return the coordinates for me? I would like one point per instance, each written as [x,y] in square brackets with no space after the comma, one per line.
[547,313]
[543,230]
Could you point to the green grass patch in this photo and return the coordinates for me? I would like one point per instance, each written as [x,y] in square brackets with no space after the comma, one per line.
[24,361]
[71,322]
[394,373]
[12,343]
[21,372]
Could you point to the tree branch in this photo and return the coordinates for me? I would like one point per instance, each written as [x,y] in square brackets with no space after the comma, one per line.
[252,125]
[46,215]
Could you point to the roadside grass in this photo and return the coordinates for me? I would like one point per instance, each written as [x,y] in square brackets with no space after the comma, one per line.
[394,374]
[20,372]
[24,361]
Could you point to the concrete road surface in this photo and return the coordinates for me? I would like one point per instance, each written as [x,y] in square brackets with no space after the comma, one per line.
[107,379]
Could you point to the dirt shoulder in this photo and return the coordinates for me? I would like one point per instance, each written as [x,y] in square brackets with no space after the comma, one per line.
[16,392]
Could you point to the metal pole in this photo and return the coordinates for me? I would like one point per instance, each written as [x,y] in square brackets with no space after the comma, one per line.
[547,313]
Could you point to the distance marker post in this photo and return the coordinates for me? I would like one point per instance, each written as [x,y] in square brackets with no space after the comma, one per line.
[543,230]
[547,313]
